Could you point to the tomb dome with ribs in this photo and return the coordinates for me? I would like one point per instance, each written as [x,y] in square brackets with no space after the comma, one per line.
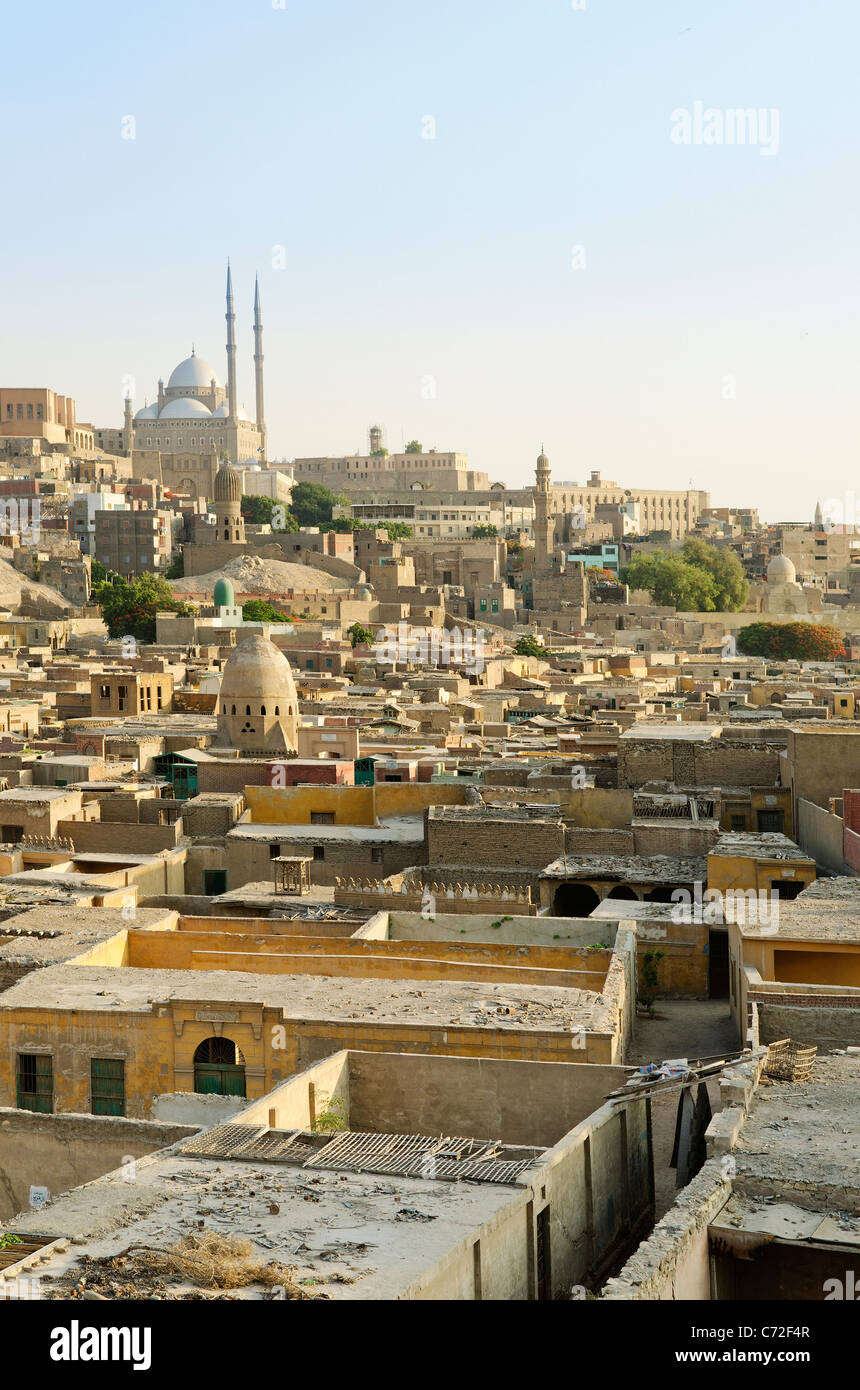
[228,484]
[257,703]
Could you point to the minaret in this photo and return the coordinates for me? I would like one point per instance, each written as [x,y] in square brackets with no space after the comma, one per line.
[543,523]
[231,349]
[258,368]
[128,428]
[819,517]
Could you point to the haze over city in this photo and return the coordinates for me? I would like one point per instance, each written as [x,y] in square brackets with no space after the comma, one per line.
[471,223]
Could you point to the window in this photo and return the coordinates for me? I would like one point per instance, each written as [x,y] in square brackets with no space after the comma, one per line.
[376,856]
[35,1083]
[107,1085]
[274,851]
[739,822]
[11,834]
[319,851]
[322,817]
[29,412]
[104,692]
[122,695]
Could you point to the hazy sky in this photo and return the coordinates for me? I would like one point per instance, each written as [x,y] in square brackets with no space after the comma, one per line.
[552,267]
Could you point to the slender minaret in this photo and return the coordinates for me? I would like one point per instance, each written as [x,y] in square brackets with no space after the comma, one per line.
[128,427]
[819,517]
[231,349]
[543,522]
[258,368]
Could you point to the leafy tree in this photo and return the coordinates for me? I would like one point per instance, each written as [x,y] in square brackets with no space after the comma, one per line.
[257,510]
[263,511]
[129,606]
[792,641]
[312,504]
[413,447]
[176,568]
[672,583]
[484,531]
[726,570]
[98,574]
[702,579]
[379,453]
[360,636]
[259,610]
[529,646]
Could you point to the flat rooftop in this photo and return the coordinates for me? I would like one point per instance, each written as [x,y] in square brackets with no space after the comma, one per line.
[739,844]
[422,1003]
[655,868]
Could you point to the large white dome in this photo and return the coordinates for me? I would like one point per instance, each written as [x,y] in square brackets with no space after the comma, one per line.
[148,412]
[781,570]
[194,371]
[184,407]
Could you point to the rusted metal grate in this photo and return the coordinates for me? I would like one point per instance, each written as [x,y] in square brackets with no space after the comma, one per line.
[224,1141]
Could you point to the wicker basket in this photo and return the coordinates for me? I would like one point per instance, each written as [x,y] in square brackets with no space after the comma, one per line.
[788,1062]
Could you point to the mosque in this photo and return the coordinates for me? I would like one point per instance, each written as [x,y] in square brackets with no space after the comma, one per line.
[194,420]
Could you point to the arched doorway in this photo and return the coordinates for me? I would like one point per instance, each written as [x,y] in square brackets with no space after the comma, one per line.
[219,1068]
[574,900]
[623,890]
[661,893]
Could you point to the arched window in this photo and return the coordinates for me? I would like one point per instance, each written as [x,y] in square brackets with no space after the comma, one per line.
[262,709]
[247,709]
[234,709]
[219,1068]
[277,709]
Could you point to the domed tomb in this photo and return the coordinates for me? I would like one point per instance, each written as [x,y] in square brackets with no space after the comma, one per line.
[258,707]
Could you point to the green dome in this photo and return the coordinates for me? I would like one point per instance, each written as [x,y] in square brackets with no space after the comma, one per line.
[223,594]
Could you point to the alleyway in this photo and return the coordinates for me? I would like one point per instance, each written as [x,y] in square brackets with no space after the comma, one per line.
[683,1028]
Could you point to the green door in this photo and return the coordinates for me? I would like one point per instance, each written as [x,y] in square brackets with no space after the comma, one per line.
[107,1085]
[213,1080]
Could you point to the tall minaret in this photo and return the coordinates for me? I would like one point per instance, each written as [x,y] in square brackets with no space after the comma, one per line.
[231,349]
[544,524]
[258,368]
[819,517]
[128,428]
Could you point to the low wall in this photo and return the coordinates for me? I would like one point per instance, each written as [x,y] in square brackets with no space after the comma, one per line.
[820,835]
[62,1151]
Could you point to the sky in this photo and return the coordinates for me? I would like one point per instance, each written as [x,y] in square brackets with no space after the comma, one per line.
[483,224]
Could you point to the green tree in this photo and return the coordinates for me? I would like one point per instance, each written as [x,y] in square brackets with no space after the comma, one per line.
[726,570]
[257,510]
[259,610]
[379,453]
[129,606]
[312,504]
[98,574]
[792,642]
[484,531]
[529,646]
[360,636]
[176,568]
[672,583]
[413,447]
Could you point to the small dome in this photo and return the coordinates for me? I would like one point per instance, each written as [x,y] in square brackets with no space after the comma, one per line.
[149,412]
[258,671]
[194,371]
[781,571]
[223,595]
[228,484]
[542,460]
[183,408]
[222,410]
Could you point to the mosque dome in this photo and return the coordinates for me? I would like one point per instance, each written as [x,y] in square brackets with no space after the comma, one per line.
[228,484]
[258,671]
[781,571]
[223,595]
[221,411]
[148,412]
[193,372]
[542,460]
[183,407]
